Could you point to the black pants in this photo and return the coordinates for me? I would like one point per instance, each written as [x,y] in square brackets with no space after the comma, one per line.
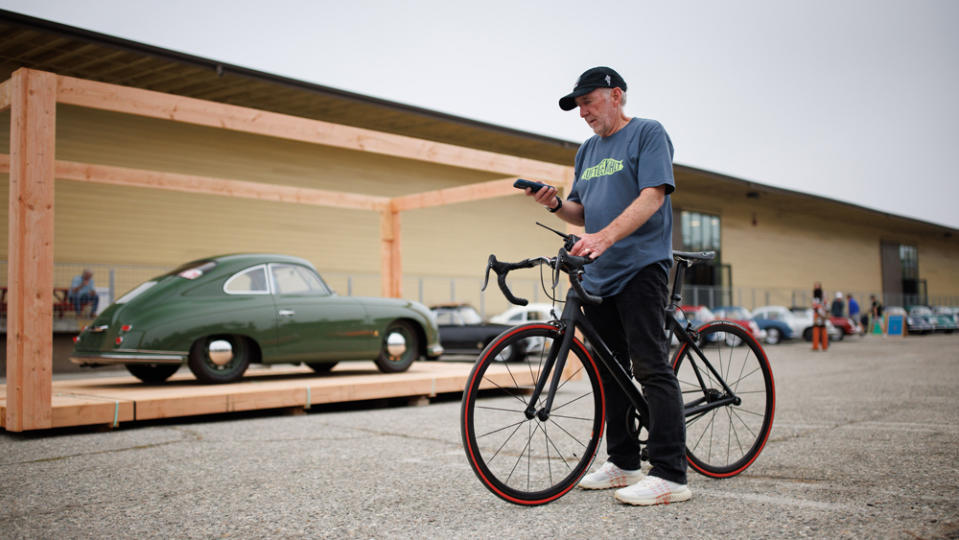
[632,325]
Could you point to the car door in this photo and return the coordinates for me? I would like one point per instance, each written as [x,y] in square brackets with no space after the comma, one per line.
[315,324]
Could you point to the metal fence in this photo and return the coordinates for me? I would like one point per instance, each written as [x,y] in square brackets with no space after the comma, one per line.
[114,280]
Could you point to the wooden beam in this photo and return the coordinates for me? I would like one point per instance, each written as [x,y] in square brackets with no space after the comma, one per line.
[104,174]
[459,194]
[151,104]
[5,95]
[391,263]
[33,103]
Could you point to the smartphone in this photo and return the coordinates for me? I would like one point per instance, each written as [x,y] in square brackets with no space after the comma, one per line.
[523,184]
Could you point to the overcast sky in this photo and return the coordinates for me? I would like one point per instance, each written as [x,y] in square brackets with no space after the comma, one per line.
[855,100]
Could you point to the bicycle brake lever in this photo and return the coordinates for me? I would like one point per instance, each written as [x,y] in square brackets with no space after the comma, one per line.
[489,264]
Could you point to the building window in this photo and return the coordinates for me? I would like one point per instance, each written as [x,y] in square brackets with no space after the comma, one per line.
[702,232]
[909,262]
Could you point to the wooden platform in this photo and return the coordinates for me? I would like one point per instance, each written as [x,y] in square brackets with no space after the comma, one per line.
[110,401]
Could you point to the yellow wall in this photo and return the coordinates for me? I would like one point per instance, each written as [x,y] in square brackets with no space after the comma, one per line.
[136,226]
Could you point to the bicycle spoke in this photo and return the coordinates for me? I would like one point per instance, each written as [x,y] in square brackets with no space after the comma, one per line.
[723,444]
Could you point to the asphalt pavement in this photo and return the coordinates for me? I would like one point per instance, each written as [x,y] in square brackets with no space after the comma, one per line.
[865,444]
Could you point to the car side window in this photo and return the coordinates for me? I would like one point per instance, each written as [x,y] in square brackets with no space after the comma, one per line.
[249,281]
[295,279]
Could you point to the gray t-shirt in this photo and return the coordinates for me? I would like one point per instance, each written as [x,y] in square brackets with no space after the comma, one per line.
[610,173]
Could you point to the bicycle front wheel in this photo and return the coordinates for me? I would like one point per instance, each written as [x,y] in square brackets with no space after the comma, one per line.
[723,440]
[522,459]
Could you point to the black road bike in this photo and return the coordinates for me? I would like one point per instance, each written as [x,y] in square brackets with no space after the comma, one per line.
[532,429]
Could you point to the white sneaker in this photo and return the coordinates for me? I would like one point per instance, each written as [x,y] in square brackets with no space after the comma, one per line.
[653,490]
[610,476]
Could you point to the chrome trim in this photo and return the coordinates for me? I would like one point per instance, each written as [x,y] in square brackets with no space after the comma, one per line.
[135,357]
[266,272]
[100,329]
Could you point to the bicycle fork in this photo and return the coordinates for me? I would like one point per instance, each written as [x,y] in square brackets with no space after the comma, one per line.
[555,363]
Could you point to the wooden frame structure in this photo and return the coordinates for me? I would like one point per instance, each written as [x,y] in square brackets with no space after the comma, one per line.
[32,97]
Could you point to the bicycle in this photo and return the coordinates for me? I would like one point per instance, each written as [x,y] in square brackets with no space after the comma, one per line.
[532,430]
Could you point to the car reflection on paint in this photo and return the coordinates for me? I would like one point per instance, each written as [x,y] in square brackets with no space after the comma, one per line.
[220,314]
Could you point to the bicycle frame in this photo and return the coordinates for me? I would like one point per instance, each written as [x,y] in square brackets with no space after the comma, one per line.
[573,319]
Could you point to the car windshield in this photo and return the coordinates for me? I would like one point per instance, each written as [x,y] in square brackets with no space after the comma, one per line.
[920,310]
[457,315]
[469,315]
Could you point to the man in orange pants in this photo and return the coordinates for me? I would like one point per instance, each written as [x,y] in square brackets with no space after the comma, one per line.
[820,336]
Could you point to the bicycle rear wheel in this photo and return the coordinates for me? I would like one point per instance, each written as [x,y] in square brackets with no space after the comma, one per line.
[723,441]
[524,460]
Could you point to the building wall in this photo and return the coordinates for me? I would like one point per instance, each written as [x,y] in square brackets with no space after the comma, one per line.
[767,245]
[112,225]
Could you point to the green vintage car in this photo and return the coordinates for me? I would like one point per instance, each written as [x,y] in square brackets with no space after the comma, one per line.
[220,314]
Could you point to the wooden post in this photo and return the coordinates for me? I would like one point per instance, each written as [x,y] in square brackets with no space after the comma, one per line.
[33,103]
[391,265]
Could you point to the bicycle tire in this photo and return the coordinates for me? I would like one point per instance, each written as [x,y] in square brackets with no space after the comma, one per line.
[530,461]
[725,441]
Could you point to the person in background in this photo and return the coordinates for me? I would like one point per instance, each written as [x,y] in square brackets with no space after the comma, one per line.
[82,292]
[820,336]
[875,311]
[854,310]
[837,306]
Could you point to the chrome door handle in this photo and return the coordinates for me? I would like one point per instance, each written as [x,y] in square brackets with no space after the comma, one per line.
[286,313]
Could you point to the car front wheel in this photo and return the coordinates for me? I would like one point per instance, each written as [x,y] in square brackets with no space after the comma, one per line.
[219,359]
[399,348]
[773,336]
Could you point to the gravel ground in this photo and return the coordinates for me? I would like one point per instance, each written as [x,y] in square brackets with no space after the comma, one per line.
[865,445]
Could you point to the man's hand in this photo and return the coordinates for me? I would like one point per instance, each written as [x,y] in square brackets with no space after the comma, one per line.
[545,196]
[591,245]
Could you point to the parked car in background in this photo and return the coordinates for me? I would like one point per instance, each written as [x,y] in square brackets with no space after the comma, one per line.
[742,317]
[948,311]
[848,326]
[219,314]
[914,324]
[463,331]
[940,323]
[778,322]
[528,313]
[804,314]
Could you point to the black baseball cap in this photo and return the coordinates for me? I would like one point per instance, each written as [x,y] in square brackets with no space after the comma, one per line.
[591,79]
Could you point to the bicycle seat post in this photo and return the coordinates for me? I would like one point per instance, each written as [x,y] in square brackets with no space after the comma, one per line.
[676,295]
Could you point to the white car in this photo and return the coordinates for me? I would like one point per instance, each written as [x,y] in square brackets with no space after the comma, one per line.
[523,314]
[805,315]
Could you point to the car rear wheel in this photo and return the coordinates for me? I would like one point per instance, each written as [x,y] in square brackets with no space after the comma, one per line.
[152,373]
[219,359]
[321,367]
[773,336]
[399,348]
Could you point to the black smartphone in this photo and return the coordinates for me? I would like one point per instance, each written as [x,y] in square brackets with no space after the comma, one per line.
[523,184]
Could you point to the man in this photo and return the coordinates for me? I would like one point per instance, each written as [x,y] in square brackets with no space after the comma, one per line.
[838,306]
[854,311]
[82,292]
[624,176]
